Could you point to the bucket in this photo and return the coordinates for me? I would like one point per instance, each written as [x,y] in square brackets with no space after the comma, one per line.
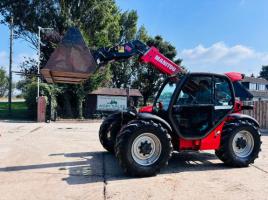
[71,62]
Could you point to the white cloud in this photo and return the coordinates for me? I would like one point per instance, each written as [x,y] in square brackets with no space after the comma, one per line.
[221,58]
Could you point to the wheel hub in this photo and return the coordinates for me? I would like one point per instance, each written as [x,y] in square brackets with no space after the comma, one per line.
[241,143]
[145,148]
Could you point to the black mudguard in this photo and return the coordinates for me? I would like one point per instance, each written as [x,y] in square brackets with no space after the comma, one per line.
[239,116]
[149,116]
[126,116]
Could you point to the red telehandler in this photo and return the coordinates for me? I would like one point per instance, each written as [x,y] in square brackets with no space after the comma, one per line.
[192,111]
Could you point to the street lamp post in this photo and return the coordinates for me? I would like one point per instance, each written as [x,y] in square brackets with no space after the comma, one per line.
[39,57]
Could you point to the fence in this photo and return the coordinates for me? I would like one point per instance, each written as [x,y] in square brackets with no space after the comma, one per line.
[260,112]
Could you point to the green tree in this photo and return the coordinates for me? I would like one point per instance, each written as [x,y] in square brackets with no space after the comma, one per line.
[142,34]
[3,82]
[28,69]
[96,80]
[122,71]
[98,22]
[264,72]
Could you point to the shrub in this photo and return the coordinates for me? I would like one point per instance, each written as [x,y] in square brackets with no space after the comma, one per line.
[30,95]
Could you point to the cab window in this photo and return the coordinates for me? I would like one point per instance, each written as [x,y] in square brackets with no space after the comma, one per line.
[223,94]
[197,90]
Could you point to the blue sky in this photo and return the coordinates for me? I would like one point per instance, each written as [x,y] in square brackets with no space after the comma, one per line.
[187,23]
[209,35]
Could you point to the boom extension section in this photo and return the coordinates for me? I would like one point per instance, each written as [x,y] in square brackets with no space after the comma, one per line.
[146,54]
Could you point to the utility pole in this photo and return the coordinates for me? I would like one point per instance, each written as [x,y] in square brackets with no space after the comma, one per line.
[39,58]
[10,65]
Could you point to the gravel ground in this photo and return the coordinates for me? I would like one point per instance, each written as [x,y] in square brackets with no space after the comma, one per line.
[66,161]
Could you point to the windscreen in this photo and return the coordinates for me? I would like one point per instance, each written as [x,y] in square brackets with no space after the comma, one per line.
[166,93]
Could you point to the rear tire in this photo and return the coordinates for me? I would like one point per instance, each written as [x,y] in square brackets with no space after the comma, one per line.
[240,144]
[143,148]
[109,128]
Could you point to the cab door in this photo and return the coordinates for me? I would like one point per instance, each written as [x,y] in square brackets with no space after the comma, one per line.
[203,101]
[223,98]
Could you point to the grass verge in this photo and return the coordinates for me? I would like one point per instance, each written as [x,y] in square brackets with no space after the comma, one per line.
[19,111]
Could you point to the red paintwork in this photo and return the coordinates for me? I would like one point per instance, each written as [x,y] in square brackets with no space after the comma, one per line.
[238,106]
[146,109]
[235,76]
[212,141]
[187,144]
[160,62]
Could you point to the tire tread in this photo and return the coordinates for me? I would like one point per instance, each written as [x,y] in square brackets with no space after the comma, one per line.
[223,153]
[123,138]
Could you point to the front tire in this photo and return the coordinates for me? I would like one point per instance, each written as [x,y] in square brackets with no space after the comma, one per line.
[240,144]
[143,148]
